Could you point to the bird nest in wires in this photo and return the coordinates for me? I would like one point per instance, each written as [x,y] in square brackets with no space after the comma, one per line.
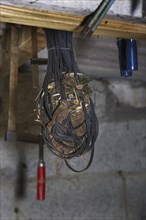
[65,110]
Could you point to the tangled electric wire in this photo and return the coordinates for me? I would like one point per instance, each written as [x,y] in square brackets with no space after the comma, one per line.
[64,107]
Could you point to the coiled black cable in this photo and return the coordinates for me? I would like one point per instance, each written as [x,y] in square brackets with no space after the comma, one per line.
[69,124]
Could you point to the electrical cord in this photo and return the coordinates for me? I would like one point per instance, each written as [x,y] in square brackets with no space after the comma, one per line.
[65,110]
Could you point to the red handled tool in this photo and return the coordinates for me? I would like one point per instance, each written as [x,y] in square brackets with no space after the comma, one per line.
[41,173]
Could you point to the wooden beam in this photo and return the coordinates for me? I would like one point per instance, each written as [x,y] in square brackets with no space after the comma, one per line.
[25,46]
[39,61]
[13,81]
[69,22]
[35,73]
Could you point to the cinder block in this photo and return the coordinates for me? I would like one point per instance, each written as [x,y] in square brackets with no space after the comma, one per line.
[83,197]
[136,197]
[7,202]
[20,157]
[8,160]
[99,97]
[79,6]
[132,94]
[119,146]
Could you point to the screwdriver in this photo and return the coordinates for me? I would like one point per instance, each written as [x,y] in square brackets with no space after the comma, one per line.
[41,173]
[97,17]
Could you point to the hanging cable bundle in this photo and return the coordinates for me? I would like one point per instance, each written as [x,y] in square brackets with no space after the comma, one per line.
[64,107]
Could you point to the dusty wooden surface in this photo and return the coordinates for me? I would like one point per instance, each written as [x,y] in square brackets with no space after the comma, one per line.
[34,55]
[13,79]
[24,47]
[70,22]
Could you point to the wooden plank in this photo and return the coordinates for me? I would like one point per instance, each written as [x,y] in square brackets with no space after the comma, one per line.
[39,61]
[69,22]
[35,73]
[5,52]
[13,78]
[25,47]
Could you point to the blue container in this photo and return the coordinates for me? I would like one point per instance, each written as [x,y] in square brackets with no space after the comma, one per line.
[122,53]
[121,44]
[126,73]
[131,54]
[128,60]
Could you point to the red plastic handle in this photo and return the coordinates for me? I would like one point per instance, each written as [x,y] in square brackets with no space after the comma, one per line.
[41,183]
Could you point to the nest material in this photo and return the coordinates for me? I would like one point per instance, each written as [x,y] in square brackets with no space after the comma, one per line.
[69,107]
[65,110]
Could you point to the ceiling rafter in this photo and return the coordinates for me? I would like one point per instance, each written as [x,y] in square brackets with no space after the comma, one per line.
[69,22]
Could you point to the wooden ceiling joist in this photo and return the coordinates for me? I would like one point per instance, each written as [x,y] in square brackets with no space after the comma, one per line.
[69,22]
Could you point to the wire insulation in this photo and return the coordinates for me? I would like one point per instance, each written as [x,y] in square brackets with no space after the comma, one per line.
[64,107]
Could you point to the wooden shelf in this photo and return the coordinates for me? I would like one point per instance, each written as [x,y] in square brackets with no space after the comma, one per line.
[69,22]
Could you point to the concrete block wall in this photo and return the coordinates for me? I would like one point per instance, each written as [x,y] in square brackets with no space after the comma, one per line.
[113,188]
[121,7]
[98,56]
